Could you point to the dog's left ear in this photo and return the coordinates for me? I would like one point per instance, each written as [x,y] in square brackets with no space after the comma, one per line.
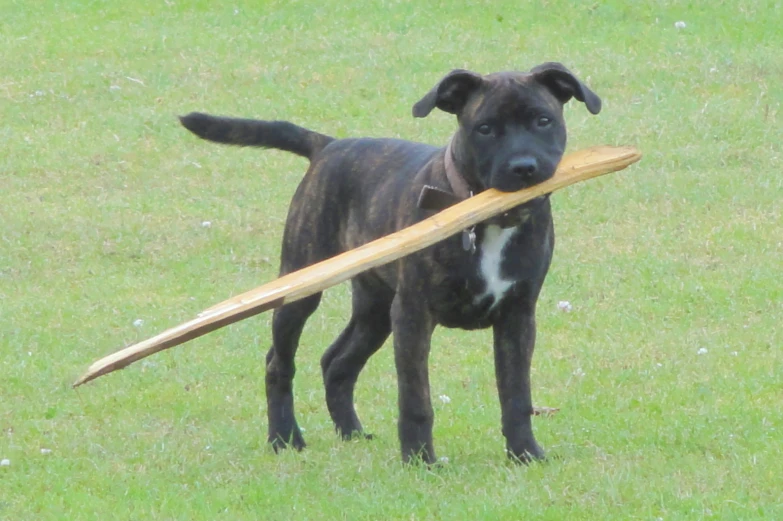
[564,85]
[450,94]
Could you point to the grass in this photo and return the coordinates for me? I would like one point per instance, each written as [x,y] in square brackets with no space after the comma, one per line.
[102,196]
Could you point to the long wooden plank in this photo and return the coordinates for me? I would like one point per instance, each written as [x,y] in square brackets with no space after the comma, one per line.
[575,167]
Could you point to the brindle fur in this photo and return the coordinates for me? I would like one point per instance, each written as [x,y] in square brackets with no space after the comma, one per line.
[358,190]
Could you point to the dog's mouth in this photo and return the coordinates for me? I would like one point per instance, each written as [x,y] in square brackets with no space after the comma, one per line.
[520,214]
[533,205]
[506,183]
[536,201]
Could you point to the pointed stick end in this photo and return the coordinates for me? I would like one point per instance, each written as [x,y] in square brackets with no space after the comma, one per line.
[83,380]
[87,377]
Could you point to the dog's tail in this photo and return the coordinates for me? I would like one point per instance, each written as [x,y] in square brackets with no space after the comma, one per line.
[256,133]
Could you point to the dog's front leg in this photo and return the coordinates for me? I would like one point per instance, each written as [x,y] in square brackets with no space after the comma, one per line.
[515,337]
[412,326]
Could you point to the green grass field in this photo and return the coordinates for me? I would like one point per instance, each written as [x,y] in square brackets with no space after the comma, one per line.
[668,372]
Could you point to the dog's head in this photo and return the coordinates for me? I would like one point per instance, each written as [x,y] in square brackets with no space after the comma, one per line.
[512,134]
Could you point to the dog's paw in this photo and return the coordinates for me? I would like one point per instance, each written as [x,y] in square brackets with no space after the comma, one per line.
[356,435]
[294,441]
[532,452]
[424,457]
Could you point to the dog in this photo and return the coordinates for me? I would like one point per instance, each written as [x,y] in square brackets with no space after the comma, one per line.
[511,134]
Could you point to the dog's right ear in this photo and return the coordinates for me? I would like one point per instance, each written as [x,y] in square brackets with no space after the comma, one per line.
[450,94]
[564,85]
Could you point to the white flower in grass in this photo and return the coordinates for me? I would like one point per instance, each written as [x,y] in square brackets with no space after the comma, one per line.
[138,322]
[444,460]
[702,351]
[46,451]
[579,372]
[565,306]
[206,224]
[680,25]
[445,399]
[5,462]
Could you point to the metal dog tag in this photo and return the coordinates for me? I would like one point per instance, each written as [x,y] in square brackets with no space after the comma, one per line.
[469,240]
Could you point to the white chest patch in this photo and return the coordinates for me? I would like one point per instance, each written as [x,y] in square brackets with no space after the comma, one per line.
[492,245]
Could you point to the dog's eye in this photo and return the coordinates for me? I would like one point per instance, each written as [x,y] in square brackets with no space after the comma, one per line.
[544,121]
[484,129]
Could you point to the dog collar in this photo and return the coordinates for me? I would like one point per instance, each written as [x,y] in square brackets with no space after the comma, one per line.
[432,198]
[436,199]
[459,185]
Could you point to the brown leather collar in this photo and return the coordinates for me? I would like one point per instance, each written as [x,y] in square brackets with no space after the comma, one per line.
[459,185]
[432,198]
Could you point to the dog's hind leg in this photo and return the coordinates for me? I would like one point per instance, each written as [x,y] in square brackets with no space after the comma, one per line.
[368,329]
[287,325]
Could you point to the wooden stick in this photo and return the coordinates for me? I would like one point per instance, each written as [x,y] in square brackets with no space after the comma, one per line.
[575,167]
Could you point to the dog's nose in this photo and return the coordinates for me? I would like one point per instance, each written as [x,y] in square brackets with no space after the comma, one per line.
[524,166]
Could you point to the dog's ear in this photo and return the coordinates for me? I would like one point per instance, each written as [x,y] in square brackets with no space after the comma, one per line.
[564,85]
[450,94]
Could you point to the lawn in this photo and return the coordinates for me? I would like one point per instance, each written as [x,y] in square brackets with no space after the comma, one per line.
[116,223]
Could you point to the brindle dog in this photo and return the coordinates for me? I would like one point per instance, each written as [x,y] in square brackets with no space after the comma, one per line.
[511,135]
